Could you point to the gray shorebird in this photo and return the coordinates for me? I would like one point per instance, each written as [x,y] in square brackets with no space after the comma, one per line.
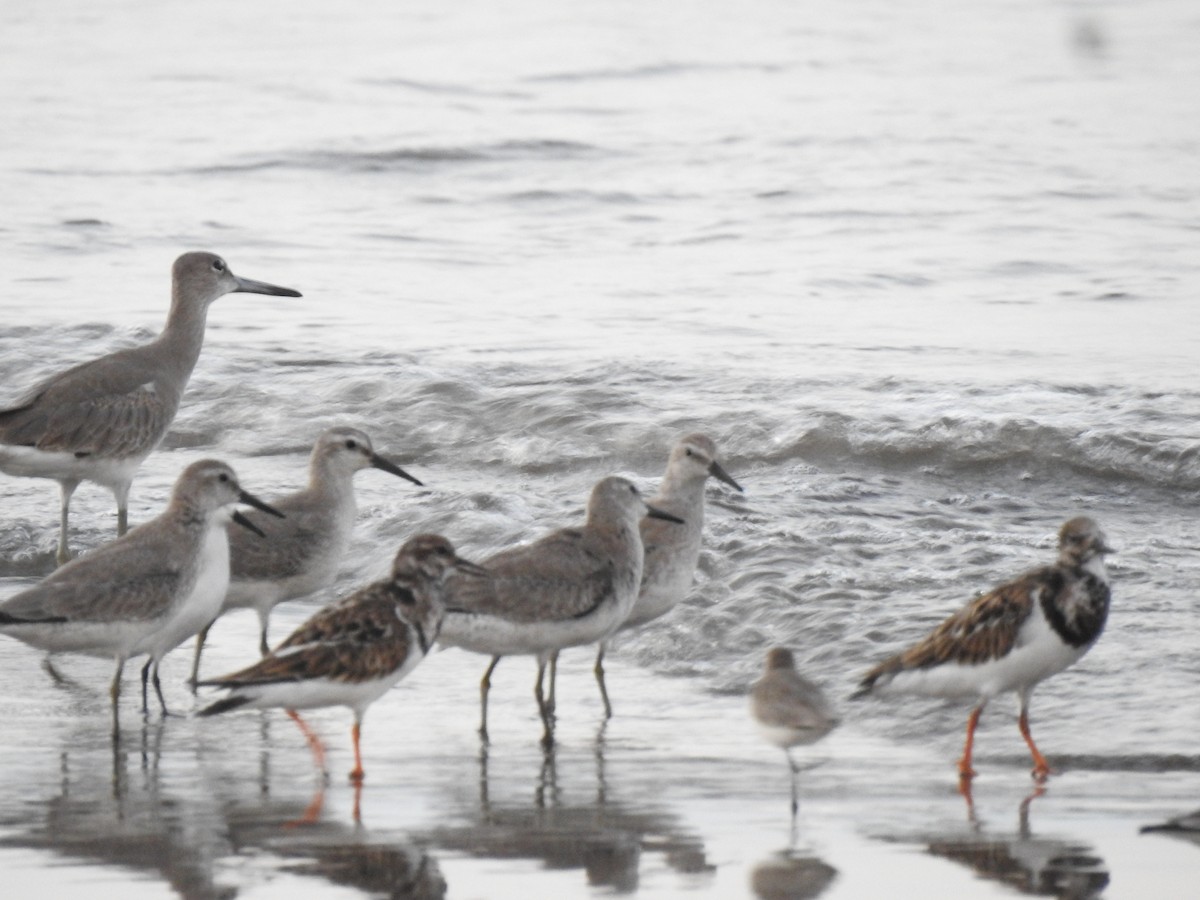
[146,592]
[304,549]
[790,710]
[672,550]
[98,421]
[352,652]
[1010,639]
[572,587]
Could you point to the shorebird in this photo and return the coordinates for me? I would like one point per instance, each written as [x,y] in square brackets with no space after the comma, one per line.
[572,587]
[353,652]
[672,550]
[790,710]
[146,592]
[304,549]
[98,421]
[1011,638]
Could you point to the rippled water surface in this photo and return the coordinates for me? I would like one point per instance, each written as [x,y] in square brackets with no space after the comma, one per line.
[925,272]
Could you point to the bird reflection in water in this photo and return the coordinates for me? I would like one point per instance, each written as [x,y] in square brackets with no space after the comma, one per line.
[605,838]
[791,875]
[123,815]
[1051,867]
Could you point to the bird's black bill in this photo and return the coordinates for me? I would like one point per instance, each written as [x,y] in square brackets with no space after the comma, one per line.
[250,500]
[392,469]
[655,513]
[469,568]
[248,525]
[720,474]
[250,286]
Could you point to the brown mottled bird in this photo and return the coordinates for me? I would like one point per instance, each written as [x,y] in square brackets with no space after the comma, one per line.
[355,651]
[1011,638]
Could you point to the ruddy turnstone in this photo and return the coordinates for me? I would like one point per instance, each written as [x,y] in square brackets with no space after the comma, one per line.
[98,421]
[303,550]
[1011,638]
[572,587]
[353,652]
[146,592]
[790,710]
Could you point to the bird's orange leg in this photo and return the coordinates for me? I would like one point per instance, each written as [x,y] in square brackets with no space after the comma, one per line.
[312,812]
[314,742]
[357,774]
[965,772]
[1041,768]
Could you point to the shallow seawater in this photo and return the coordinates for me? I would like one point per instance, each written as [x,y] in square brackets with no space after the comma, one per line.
[924,272]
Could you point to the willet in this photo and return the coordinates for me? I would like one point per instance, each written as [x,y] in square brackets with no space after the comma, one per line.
[146,592]
[304,549]
[98,421]
[353,652]
[672,551]
[1010,639]
[790,710]
[575,586]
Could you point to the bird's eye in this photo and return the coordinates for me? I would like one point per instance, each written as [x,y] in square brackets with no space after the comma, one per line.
[218,265]
[222,478]
[351,444]
[688,451]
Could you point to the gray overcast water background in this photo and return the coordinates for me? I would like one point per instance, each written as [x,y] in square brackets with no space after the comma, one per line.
[925,271]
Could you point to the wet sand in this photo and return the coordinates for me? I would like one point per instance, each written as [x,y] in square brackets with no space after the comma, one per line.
[676,796]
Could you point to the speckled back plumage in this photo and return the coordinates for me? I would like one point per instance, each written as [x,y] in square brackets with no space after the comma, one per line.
[1072,595]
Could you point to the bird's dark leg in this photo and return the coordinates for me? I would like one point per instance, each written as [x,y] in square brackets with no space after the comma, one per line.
[599,673]
[485,685]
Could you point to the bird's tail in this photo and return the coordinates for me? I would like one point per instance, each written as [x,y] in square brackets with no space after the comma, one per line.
[7,619]
[224,705]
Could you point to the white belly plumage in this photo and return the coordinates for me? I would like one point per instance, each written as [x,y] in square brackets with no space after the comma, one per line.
[202,604]
[493,635]
[1037,654]
[314,693]
[29,462]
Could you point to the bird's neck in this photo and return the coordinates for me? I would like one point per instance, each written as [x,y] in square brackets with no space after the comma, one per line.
[183,336]
[336,486]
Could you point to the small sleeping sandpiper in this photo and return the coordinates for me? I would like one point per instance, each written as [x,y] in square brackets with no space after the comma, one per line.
[1010,639]
[572,587]
[146,592]
[353,652]
[672,550]
[304,549]
[98,421]
[790,710]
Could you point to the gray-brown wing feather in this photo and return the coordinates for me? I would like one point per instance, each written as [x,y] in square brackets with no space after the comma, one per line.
[135,578]
[139,597]
[554,579]
[288,547]
[109,407]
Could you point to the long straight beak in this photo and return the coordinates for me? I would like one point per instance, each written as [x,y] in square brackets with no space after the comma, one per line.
[390,467]
[720,474]
[250,286]
[250,500]
[248,525]
[469,568]
[655,513]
